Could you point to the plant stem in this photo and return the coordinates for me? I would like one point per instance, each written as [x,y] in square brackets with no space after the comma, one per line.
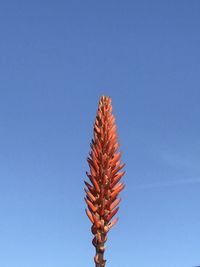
[100,248]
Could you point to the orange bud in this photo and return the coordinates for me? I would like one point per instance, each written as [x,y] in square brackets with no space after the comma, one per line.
[112,120]
[96,129]
[89,215]
[116,157]
[96,221]
[111,224]
[94,182]
[91,188]
[90,195]
[113,130]
[117,186]
[90,205]
[116,191]
[116,146]
[93,171]
[112,214]
[118,169]
[117,178]
[115,203]
[93,164]
[96,185]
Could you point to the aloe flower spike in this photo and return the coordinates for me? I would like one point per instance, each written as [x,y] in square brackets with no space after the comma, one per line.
[105,174]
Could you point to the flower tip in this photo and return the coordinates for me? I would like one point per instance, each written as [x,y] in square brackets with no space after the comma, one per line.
[105,98]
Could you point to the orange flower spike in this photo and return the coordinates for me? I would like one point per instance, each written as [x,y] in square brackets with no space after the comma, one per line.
[105,164]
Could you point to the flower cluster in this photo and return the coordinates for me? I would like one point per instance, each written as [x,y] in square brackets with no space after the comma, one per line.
[105,173]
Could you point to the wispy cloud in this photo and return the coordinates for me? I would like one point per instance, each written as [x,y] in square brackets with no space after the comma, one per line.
[188,162]
[167,184]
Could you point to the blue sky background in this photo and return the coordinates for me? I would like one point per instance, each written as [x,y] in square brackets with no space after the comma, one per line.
[56,59]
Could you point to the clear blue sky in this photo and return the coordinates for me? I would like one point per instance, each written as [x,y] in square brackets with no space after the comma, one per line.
[56,59]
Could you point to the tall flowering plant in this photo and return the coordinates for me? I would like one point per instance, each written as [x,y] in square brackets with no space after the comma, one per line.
[104,175]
